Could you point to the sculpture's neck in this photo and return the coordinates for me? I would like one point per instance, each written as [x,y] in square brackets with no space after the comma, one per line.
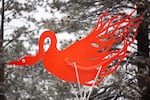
[52,47]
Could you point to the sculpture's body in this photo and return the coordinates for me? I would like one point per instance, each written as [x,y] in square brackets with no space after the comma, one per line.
[89,53]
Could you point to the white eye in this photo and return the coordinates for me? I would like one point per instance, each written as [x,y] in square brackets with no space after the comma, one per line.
[23,60]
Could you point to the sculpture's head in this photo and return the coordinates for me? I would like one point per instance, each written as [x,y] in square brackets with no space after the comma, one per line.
[24,61]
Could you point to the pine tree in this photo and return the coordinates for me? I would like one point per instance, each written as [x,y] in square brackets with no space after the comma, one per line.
[2,65]
[81,15]
[143,52]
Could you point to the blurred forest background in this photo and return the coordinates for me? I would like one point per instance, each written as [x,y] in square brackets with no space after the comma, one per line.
[21,25]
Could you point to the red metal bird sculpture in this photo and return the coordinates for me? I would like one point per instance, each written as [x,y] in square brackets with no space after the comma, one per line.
[90,53]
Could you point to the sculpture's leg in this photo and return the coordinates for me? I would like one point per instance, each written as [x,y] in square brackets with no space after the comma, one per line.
[95,80]
[77,76]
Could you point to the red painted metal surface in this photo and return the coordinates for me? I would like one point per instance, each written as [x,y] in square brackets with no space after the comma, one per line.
[90,53]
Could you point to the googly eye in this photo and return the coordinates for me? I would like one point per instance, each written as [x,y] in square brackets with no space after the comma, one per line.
[23,60]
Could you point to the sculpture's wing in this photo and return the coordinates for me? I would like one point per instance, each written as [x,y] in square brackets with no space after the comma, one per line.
[98,46]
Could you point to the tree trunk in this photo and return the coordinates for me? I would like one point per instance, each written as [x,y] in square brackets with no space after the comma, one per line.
[143,52]
[2,97]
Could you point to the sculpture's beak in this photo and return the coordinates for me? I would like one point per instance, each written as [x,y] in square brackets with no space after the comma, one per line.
[17,62]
